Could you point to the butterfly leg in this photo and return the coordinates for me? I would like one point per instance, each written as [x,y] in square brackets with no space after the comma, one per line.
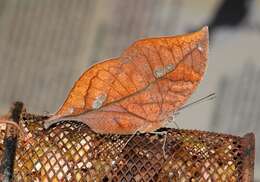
[164,133]
[130,138]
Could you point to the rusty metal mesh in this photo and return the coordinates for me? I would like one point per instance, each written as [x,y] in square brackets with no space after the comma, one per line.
[70,151]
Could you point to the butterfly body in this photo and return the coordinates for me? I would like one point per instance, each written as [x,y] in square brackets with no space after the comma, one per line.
[139,90]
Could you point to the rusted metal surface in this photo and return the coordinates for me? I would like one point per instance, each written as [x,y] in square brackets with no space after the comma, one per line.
[70,151]
[10,142]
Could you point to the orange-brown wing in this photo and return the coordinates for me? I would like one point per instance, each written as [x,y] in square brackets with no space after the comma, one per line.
[138,90]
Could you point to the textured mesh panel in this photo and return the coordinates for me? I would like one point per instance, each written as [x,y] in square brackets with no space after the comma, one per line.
[70,151]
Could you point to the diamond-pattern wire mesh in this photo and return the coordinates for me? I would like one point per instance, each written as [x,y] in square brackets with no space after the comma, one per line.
[70,151]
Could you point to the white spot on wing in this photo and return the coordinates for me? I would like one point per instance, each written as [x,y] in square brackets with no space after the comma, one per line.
[99,101]
[160,72]
[200,48]
[71,110]
[169,68]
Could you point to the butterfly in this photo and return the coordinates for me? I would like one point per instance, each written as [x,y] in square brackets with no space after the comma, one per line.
[139,90]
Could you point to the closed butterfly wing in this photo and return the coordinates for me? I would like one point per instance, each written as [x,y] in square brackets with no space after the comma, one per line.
[140,89]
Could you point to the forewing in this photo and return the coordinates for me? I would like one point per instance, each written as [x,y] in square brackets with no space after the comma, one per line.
[138,90]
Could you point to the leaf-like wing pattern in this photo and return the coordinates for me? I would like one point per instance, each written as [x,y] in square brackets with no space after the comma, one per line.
[140,89]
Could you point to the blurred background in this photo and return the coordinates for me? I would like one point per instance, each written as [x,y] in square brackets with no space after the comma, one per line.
[46,45]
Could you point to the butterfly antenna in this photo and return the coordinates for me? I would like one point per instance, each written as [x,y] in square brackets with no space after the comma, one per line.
[203,99]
